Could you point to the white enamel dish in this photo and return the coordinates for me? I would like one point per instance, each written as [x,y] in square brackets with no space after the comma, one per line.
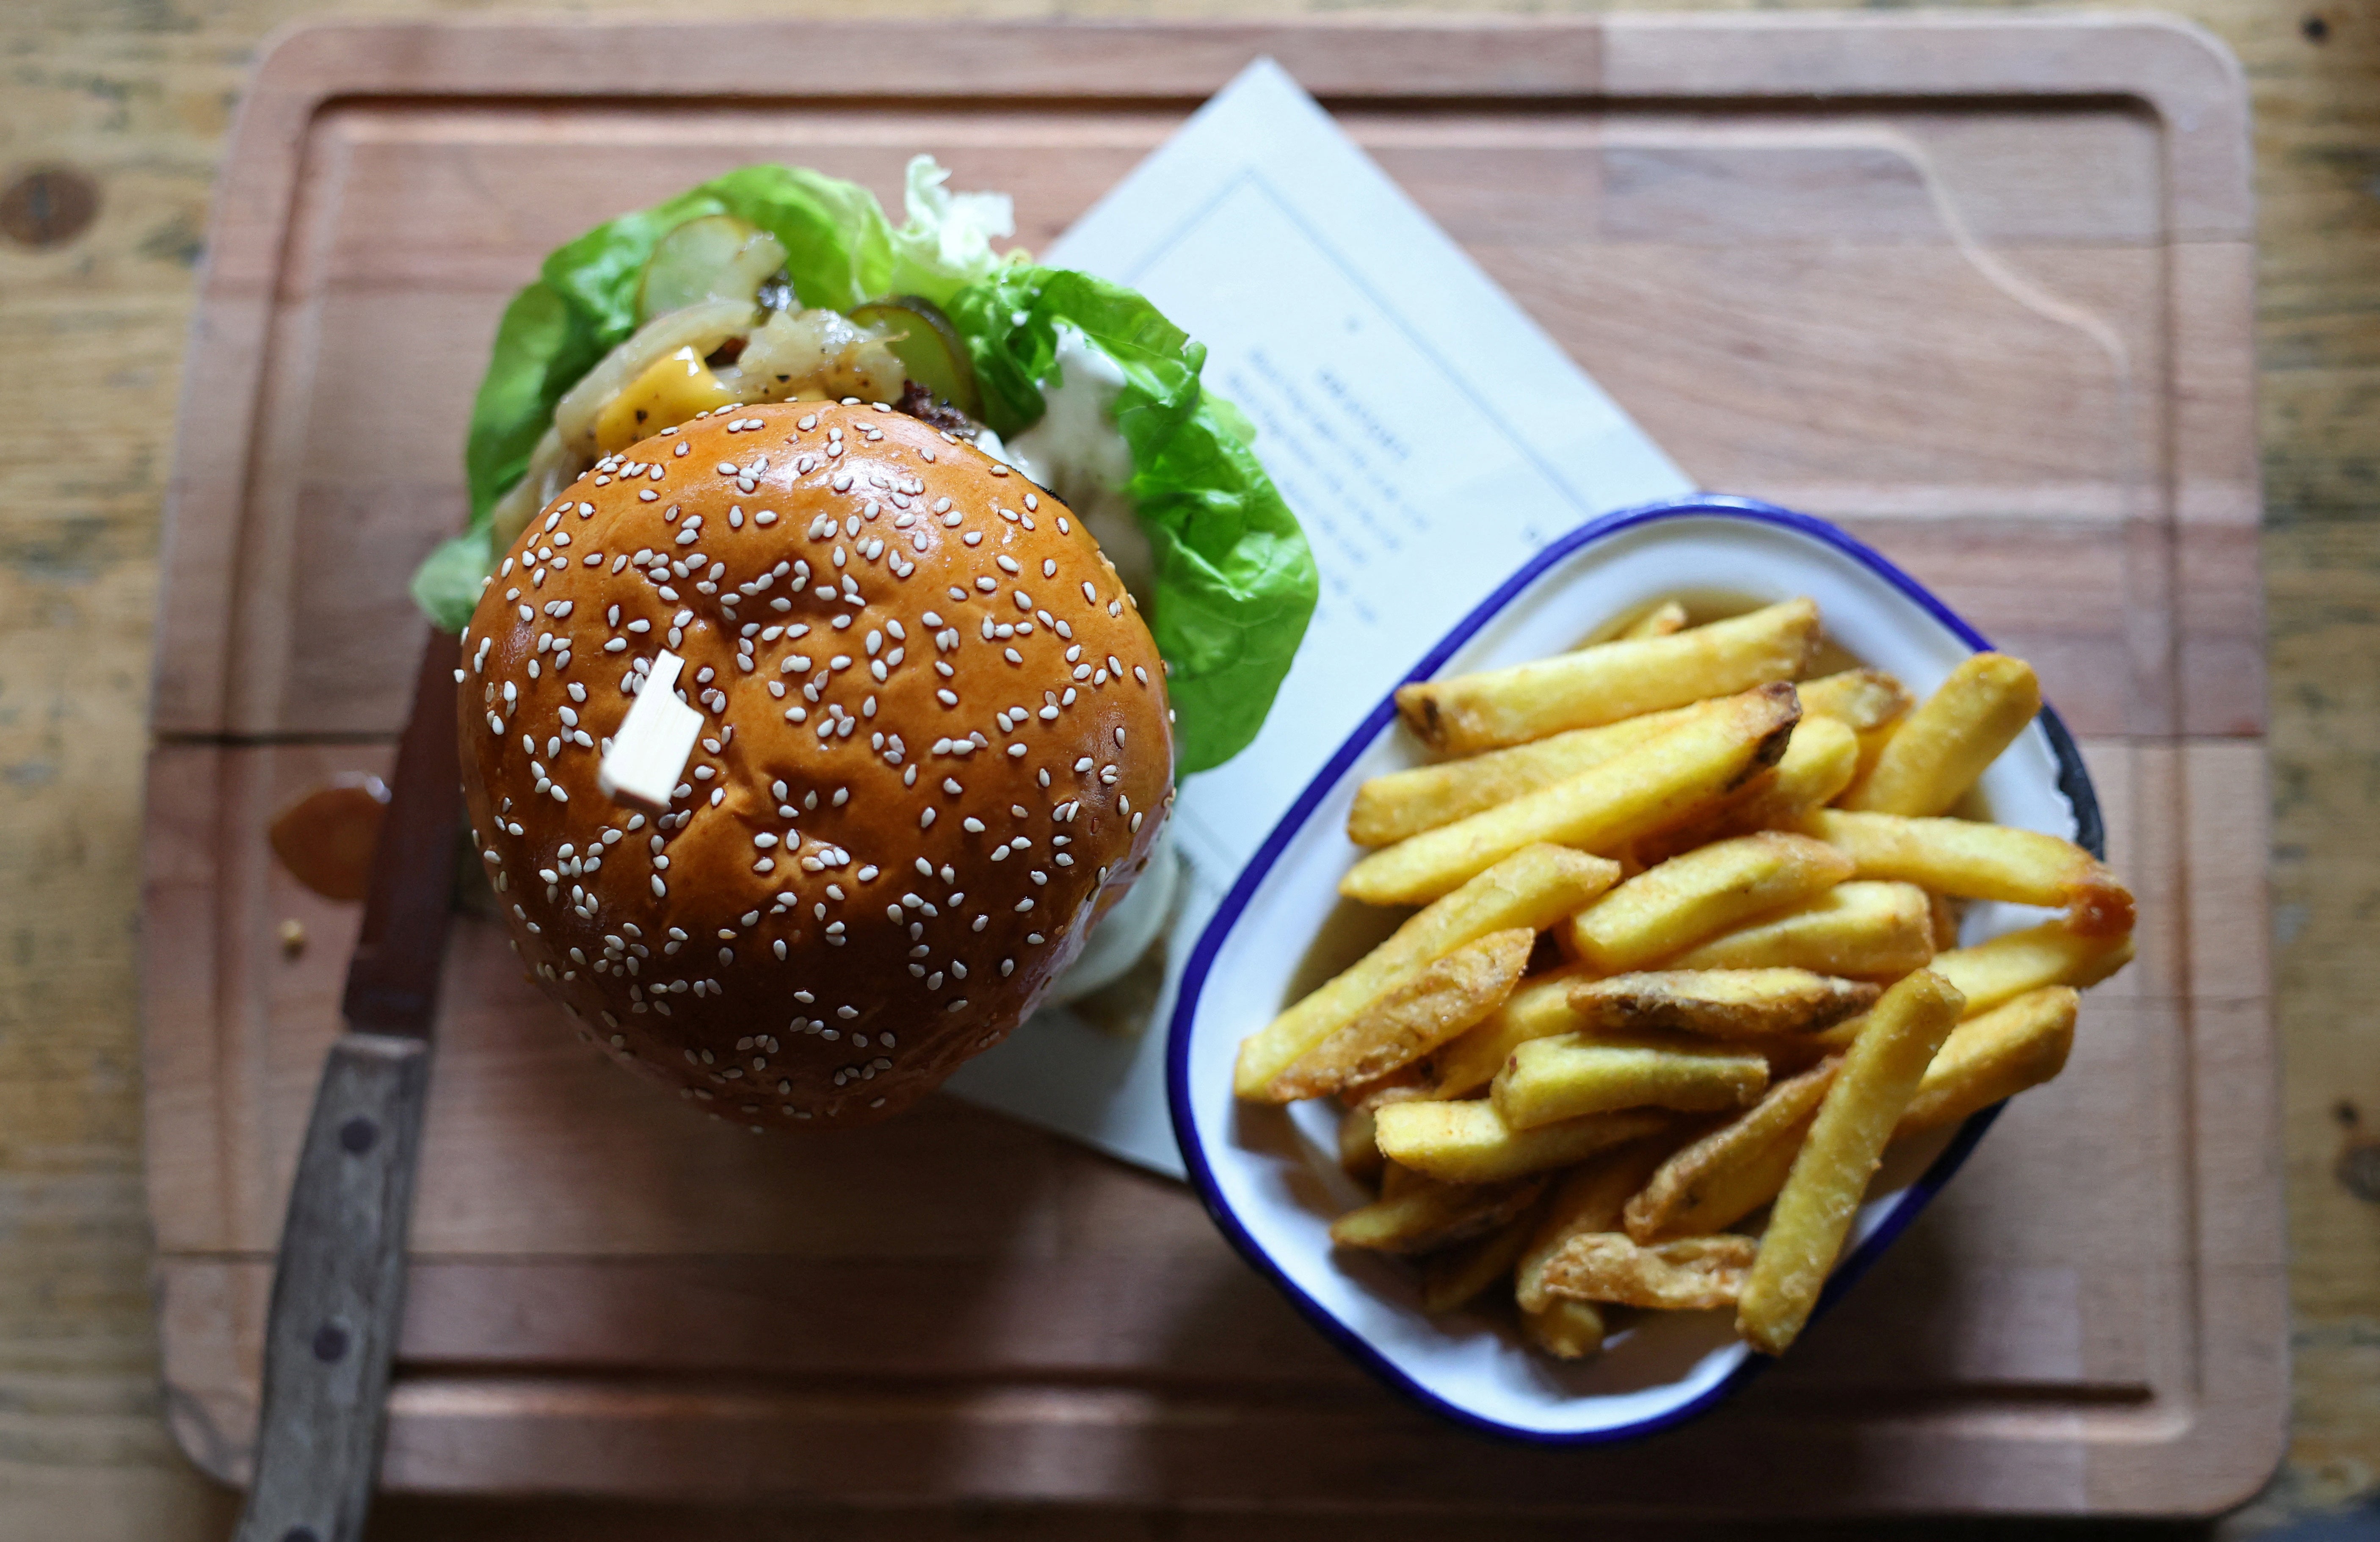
[1270,1176]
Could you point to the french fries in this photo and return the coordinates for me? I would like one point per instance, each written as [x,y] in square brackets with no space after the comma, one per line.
[1470,1143]
[1359,1148]
[1665,782]
[1610,681]
[1736,1192]
[1551,1079]
[1453,1279]
[1565,1329]
[1659,622]
[1860,929]
[1538,1009]
[1389,807]
[1690,1274]
[1814,1211]
[1590,1198]
[1993,1056]
[1861,700]
[1421,1217]
[1986,1059]
[1407,1022]
[2009,965]
[1683,1183]
[1772,995]
[1977,861]
[1945,921]
[1402,1085]
[1820,761]
[1717,1004]
[1942,746]
[1534,887]
[1665,910]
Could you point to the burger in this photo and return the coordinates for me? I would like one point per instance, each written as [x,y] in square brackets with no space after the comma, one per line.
[937,567]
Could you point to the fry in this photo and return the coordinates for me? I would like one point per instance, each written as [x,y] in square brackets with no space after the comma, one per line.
[1535,887]
[2051,954]
[1359,1152]
[1939,749]
[1880,1072]
[1409,1021]
[1664,782]
[1421,1217]
[1717,1004]
[1453,1279]
[1470,1143]
[1819,762]
[1944,912]
[1551,1079]
[1861,700]
[1690,1274]
[1994,1055]
[1680,1183]
[1659,622]
[1738,1191]
[1564,1328]
[1389,807]
[1976,861]
[1862,929]
[1538,1008]
[1610,681]
[1402,1085]
[1589,1197]
[1871,749]
[1667,909]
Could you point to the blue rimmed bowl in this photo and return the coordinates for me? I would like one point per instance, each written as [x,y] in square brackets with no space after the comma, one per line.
[1270,1176]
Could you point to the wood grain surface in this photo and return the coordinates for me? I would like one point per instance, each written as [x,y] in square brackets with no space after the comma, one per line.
[1773,239]
[136,97]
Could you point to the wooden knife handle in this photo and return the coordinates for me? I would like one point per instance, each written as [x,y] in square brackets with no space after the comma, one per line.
[339,1295]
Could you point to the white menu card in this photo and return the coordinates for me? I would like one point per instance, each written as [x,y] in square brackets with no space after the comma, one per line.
[1362,342]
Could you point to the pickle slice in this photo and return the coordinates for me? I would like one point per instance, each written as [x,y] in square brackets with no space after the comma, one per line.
[930,349]
[716,256]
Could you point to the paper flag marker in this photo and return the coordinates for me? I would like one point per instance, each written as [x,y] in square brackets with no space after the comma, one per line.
[649,753]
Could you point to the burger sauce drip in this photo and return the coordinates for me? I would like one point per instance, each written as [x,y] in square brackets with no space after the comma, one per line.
[326,838]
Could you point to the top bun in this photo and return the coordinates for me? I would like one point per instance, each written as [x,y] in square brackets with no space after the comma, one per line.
[935,745]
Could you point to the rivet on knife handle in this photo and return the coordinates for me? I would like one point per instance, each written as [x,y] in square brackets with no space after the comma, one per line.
[337,1295]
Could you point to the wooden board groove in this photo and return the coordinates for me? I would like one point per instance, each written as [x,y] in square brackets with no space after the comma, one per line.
[1979,289]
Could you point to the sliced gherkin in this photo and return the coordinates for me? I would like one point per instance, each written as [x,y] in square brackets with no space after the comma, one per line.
[927,347]
[716,256]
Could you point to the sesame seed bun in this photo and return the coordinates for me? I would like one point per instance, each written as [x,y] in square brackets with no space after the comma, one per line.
[891,834]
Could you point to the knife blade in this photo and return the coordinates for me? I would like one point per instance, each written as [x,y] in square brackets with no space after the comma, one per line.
[338,1284]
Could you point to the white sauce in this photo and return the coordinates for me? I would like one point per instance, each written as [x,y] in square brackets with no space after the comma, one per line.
[1075,451]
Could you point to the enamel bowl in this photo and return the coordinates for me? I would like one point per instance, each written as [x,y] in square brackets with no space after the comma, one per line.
[1270,1176]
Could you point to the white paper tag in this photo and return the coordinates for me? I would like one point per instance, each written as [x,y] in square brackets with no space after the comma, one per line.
[1363,343]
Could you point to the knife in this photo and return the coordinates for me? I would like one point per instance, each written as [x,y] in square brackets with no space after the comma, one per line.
[338,1288]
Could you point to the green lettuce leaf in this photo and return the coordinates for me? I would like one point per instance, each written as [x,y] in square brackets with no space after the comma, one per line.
[947,243]
[839,253]
[1235,582]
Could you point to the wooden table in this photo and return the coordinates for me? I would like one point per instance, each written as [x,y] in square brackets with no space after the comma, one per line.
[143,112]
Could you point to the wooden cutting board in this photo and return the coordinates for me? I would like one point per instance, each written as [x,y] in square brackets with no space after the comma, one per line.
[1978,289]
